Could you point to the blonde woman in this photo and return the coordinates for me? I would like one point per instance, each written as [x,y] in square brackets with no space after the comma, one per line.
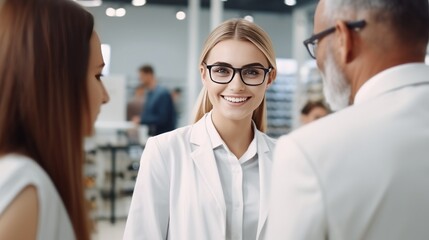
[209,180]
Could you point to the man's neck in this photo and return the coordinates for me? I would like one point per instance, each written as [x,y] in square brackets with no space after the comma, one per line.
[152,86]
[369,68]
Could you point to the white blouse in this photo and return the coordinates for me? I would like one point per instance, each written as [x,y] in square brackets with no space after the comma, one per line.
[18,172]
[240,184]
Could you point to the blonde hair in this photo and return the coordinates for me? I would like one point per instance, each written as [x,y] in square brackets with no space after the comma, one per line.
[238,29]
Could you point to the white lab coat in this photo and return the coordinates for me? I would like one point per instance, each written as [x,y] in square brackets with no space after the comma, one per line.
[361,173]
[178,193]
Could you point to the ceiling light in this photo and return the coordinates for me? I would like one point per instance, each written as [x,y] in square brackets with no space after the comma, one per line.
[180,15]
[249,18]
[138,3]
[120,12]
[290,2]
[89,3]
[111,12]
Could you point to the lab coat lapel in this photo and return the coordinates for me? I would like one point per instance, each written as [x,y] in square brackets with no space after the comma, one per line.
[265,163]
[204,159]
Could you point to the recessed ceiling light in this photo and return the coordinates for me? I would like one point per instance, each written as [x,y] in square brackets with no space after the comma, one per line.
[138,3]
[111,12]
[89,3]
[249,18]
[180,15]
[120,12]
[290,2]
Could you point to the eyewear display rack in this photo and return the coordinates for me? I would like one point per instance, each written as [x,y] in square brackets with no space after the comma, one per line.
[280,98]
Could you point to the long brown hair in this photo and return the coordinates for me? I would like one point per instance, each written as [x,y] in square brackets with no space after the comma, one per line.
[44,54]
[246,31]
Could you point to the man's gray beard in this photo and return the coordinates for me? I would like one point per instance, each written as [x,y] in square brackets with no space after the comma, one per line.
[335,86]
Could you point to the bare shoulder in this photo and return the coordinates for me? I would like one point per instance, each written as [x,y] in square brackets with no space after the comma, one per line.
[20,218]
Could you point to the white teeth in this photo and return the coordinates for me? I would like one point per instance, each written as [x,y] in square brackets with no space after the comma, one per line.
[235,100]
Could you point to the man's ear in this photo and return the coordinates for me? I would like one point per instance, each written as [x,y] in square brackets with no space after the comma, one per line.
[344,42]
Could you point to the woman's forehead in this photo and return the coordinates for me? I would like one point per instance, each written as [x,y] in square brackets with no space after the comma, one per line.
[236,51]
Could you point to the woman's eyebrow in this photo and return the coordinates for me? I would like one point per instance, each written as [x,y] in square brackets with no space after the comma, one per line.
[246,65]
[222,64]
[255,64]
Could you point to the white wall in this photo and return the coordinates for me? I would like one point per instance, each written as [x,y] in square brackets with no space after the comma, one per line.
[151,34]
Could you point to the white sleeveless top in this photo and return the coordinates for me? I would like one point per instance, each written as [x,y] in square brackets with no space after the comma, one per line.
[17,172]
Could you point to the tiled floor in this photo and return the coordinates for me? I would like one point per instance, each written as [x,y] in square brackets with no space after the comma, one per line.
[108,231]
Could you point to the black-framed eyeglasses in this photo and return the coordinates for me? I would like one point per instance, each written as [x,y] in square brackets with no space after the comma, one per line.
[250,75]
[311,43]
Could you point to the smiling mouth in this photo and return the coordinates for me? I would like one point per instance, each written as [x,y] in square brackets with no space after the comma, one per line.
[235,99]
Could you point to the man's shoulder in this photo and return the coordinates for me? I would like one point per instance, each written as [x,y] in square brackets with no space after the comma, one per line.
[162,90]
[339,126]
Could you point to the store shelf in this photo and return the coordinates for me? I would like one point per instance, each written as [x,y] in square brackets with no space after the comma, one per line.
[110,173]
[280,98]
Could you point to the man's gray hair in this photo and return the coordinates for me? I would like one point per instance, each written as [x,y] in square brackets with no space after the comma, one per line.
[408,18]
[337,8]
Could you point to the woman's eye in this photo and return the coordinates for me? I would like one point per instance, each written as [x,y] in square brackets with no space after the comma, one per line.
[221,70]
[251,72]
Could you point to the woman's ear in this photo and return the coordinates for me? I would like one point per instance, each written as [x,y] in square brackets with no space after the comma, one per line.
[202,70]
[203,74]
[271,77]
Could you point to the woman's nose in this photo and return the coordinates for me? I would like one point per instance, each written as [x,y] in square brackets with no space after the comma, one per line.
[236,83]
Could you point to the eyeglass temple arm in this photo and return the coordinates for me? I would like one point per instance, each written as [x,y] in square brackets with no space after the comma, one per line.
[352,25]
[356,25]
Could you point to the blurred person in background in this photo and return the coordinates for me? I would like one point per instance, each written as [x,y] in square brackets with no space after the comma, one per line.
[361,173]
[135,105]
[134,110]
[158,110]
[210,180]
[313,111]
[176,95]
[50,95]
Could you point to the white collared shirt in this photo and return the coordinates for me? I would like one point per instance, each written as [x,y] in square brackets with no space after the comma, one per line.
[240,184]
[390,79]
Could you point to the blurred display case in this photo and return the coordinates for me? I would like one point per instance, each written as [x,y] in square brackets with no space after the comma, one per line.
[311,82]
[111,167]
[310,85]
[280,98]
